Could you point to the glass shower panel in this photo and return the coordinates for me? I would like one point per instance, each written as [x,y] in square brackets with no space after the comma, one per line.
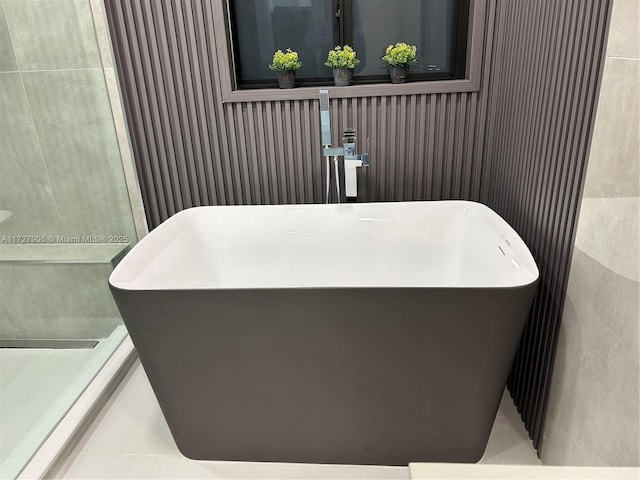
[65,217]
[58,326]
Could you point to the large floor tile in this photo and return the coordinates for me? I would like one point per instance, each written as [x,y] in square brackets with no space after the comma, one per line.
[8,442]
[168,466]
[34,388]
[47,374]
[153,437]
[447,471]
[137,397]
[88,466]
[132,426]
[117,423]
[13,362]
[509,442]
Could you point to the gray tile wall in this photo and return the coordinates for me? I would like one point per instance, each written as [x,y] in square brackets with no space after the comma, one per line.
[60,170]
[56,301]
[61,167]
[593,408]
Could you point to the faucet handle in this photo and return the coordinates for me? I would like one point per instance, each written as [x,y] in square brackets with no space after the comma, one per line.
[349,142]
[333,151]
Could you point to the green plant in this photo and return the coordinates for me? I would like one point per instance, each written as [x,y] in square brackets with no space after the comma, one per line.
[400,55]
[342,57]
[285,61]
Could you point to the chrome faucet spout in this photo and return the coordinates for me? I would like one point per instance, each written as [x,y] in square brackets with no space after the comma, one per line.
[352,160]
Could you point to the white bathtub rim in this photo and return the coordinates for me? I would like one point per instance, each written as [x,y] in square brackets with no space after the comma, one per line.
[522,251]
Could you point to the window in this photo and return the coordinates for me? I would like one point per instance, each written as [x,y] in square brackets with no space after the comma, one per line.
[312,27]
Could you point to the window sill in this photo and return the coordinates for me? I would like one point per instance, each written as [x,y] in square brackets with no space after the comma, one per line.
[354,91]
[477,21]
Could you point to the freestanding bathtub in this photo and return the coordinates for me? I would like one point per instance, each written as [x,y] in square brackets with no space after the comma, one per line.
[371,333]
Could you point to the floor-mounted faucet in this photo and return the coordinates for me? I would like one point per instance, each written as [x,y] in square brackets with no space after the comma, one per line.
[348,150]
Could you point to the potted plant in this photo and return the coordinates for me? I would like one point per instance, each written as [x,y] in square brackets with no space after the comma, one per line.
[285,65]
[399,57]
[343,60]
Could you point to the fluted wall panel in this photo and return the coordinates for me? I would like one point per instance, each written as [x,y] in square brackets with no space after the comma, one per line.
[193,149]
[542,108]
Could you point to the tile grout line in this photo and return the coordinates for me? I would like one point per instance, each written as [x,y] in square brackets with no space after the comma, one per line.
[79,69]
[115,468]
[122,455]
[138,367]
[622,57]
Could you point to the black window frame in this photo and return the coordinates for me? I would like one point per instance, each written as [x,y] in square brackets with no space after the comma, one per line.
[343,35]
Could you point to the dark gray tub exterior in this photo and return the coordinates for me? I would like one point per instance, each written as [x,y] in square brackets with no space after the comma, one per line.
[383,376]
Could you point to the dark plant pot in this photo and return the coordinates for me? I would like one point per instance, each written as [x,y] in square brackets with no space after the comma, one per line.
[286,79]
[342,77]
[399,74]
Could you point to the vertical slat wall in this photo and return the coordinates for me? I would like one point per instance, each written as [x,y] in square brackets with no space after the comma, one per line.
[542,108]
[192,149]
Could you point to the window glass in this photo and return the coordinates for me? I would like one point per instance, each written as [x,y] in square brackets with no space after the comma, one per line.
[313,27]
[264,26]
[425,23]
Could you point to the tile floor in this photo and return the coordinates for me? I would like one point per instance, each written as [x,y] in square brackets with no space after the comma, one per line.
[130,439]
[31,380]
